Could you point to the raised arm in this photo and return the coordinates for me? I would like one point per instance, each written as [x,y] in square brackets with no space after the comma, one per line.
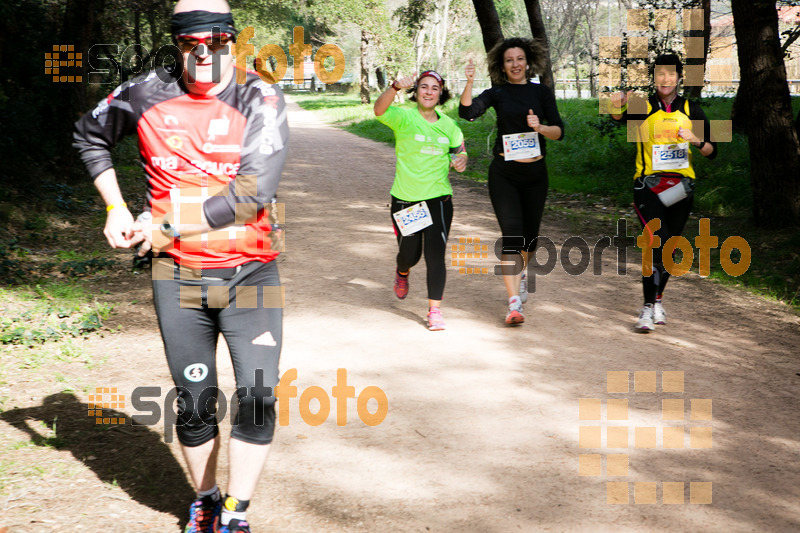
[619,103]
[385,100]
[466,95]
[471,108]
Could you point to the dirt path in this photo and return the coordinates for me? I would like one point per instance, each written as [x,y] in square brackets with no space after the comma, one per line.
[482,432]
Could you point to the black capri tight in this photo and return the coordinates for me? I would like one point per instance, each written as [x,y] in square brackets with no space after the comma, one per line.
[247,309]
[433,239]
[518,192]
[673,219]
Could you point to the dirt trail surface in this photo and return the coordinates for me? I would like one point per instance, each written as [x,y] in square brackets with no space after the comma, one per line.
[483,430]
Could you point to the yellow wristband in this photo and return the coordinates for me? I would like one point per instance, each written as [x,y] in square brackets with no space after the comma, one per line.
[112,206]
[618,110]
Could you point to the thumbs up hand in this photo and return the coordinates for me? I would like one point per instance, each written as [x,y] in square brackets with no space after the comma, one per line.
[533,121]
[469,71]
[406,82]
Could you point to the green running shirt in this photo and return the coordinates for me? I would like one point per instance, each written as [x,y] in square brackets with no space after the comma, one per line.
[423,153]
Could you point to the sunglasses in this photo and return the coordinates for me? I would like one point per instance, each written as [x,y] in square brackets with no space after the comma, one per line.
[187,43]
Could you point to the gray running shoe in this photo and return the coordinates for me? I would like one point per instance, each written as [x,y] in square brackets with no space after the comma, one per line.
[645,323]
[659,315]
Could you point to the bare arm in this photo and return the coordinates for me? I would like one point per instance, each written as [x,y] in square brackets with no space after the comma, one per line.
[385,100]
[619,102]
[119,221]
[466,95]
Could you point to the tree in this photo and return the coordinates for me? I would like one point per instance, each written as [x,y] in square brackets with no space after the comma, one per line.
[538,31]
[489,22]
[694,91]
[433,27]
[369,15]
[773,140]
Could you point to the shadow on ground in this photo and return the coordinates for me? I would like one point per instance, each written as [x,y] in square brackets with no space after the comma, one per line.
[133,457]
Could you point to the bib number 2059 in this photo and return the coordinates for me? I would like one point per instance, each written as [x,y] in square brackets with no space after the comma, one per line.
[521,146]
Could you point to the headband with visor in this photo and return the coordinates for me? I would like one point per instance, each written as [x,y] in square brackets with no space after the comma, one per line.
[190,22]
[433,74]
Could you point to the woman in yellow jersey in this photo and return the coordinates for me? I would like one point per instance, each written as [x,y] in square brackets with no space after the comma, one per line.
[667,134]
[427,143]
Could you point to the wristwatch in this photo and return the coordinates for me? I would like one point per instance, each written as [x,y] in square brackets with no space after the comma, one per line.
[396,87]
[169,230]
[702,143]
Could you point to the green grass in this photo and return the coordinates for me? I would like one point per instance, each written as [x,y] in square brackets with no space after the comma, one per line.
[55,311]
[595,161]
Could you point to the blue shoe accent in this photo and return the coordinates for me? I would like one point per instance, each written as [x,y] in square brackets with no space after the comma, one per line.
[203,515]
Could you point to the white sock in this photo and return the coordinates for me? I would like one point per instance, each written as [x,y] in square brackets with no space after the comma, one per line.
[227,516]
[514,299]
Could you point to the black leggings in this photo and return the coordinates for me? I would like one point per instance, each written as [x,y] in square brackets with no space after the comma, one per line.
[434,240]
[673,219]
[247,310]
[518,192]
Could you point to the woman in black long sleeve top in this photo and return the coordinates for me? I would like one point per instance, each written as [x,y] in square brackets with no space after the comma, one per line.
[526,116]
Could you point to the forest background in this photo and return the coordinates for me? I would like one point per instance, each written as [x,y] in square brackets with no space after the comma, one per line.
[748,54]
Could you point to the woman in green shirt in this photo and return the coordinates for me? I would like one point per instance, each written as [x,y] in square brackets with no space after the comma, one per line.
[424,141]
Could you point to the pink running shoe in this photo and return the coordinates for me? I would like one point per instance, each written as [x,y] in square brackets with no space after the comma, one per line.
[400,285]
[435,319]
[515,316]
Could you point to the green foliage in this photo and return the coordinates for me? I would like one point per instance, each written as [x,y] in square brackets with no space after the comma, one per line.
[13,267]
[595,161]
[18,266]
[32,316]
[412,16]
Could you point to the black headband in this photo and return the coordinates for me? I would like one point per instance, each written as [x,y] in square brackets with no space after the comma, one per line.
[189,22]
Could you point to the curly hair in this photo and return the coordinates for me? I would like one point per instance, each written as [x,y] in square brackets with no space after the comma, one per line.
[535,54]
[444,96]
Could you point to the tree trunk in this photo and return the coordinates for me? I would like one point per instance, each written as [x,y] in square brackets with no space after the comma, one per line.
[577,70]
[364,68]
[695,91]
[81,28]
[380,78]
[489,22]
[538,31]
[773,140]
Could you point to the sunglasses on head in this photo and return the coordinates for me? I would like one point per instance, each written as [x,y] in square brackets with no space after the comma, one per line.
[187,43]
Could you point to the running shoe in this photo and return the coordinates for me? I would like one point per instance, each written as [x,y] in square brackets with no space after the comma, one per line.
[203,515]
[435,319]
[645,322]
[659,315]
[523,287]
[515,315]
[235,526]
[400,285]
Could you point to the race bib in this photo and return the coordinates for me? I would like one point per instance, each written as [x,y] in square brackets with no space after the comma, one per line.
[670,156]
[521,146]
[413,219]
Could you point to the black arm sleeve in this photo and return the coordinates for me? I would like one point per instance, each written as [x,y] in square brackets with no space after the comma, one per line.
[96,132]
[263,156]
[479,106]
[551,115]
[696,113]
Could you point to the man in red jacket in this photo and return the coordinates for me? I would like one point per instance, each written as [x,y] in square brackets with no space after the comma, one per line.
[213,143]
